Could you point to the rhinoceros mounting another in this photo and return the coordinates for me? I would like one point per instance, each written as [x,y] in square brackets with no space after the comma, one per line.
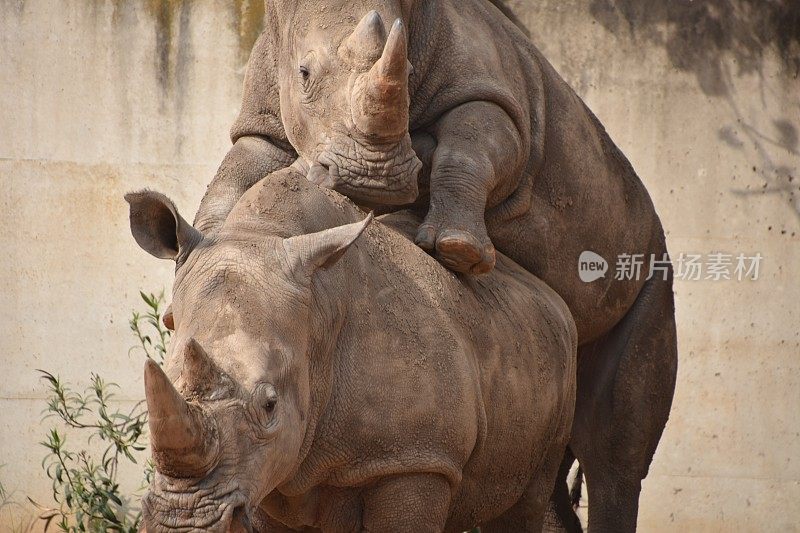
[386,99]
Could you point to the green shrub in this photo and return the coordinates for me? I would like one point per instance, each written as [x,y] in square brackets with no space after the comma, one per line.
[86,485]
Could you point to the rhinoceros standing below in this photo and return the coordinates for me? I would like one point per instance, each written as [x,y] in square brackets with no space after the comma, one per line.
[312,389]
[503,153]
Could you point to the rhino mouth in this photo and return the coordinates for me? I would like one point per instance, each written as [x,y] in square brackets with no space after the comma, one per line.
[376,174]
[169,511]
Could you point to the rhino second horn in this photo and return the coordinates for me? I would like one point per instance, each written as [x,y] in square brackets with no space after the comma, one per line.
[368,39]
[183,443]
[199,373]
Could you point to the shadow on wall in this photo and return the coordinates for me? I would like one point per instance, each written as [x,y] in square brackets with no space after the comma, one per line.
[700,37]
[698,34]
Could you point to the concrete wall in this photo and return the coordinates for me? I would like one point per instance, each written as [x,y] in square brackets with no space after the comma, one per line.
[98,97]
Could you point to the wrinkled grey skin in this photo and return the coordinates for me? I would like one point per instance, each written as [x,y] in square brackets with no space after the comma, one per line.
[322,381]
[511,158]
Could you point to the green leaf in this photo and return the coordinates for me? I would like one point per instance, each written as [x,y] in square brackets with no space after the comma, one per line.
[113,497]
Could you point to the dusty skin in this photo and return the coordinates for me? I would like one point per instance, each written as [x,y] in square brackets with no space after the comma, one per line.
[448,101]
[327,374]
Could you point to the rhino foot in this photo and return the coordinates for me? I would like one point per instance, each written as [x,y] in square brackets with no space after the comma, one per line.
[458,250]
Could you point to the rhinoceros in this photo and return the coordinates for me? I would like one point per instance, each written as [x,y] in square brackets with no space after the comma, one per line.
[447,101]
[318,380]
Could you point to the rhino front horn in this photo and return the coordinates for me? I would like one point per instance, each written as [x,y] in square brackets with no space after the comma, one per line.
[382,105]
[184,443]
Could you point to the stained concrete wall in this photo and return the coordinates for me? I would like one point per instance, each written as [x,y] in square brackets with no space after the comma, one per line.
[98,97]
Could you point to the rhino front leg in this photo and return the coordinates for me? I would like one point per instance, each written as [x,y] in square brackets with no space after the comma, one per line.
[250,159]
[416,502]
[478,161]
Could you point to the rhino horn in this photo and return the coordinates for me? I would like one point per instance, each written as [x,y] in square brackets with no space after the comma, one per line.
[382,110]
[367,40]
[393,64]
[199,371]
[183,443]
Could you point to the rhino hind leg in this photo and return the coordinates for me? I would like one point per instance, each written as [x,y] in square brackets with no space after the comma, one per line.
[531,513]
[527,515]
[561,516]
[626,382]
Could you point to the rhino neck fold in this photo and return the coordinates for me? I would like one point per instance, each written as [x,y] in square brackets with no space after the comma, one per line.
[329,311]
[327,320]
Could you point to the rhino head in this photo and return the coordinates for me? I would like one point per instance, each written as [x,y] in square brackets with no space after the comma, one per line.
[228,414]
[345,98]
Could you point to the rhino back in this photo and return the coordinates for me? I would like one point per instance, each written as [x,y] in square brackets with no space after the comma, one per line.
[434,372]
[465,51]
[286,204]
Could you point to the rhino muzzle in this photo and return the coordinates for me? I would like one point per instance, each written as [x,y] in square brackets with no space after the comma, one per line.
[375,163]
[383,174]
[185,495]
[166,510]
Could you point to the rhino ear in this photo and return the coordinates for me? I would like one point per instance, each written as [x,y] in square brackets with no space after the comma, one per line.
[158,227]
[307,253]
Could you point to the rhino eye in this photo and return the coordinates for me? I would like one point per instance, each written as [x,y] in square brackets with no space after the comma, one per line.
[304,73]
[266,398]
[269,405]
